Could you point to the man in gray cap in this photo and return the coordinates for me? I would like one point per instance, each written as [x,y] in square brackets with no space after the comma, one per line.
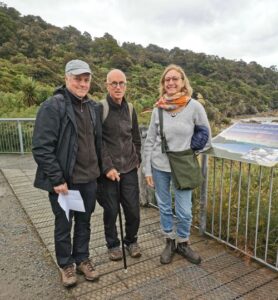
[66,147]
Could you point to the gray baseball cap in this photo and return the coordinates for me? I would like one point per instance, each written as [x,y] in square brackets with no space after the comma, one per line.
[77,67]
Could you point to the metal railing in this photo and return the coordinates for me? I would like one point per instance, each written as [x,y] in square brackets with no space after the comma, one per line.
[237,203]
[16,135]
[242,207]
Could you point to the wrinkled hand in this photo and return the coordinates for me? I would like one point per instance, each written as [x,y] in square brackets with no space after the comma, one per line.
[62,188]
[113,175]
[149,180]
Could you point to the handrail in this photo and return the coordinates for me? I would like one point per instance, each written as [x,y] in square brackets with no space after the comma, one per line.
[17,119]
[16,135]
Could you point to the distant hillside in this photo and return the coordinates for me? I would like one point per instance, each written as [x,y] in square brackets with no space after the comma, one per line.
[33,54]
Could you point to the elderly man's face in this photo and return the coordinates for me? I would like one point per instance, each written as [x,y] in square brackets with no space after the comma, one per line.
[116,85]
[78,85]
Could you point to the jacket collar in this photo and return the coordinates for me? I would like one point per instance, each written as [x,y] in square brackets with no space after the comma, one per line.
[75,99]
[68,95]
[114,105]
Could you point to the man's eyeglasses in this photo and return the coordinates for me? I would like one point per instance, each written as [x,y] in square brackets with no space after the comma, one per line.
[115,84]
[174,79]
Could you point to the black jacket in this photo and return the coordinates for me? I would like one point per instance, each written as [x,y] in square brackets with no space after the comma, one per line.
[55,139]
[121,147]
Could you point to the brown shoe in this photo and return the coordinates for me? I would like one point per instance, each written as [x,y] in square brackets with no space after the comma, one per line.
[134,250]
[115,253]
[68,275]
[88,270]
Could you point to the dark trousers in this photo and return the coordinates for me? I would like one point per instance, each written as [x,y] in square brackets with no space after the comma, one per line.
[68,251]
[108,196]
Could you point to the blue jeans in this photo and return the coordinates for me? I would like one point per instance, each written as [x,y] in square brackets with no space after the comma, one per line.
[183,206]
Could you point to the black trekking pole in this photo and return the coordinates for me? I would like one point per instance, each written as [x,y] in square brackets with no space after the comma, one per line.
[121,224]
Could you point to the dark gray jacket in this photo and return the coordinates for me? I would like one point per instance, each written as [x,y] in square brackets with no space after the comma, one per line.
[121,147]
[55,139]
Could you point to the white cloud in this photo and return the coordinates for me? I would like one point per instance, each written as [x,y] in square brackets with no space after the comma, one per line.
[246,30]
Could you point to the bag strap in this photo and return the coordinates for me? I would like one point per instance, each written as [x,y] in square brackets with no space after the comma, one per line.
[105,109]
[130,108]
[164,145]
[59,100]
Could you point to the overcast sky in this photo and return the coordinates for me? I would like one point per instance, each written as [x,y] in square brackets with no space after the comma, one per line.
[234,29]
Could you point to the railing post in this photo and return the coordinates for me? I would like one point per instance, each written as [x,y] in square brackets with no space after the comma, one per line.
[203,194]
[20,137]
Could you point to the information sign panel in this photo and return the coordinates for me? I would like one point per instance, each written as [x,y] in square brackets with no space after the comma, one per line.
[248,142]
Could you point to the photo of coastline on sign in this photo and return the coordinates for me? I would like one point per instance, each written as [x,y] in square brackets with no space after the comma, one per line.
[252,143]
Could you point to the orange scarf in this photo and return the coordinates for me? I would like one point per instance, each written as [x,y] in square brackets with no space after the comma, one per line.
[173,102]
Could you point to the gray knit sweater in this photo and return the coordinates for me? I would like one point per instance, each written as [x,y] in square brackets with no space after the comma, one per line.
[178,132]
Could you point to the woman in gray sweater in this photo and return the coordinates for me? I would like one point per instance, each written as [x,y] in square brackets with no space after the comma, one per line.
[180,114]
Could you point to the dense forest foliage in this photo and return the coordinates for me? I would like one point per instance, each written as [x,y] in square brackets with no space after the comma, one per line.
[33,54]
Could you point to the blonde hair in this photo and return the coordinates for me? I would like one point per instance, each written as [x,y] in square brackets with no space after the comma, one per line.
[187,89]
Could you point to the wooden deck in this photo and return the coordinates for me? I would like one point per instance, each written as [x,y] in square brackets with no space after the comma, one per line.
[222,274]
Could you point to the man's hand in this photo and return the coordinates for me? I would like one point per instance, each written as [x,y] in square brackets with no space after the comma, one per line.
[62,188]
[149,180]
[113,175]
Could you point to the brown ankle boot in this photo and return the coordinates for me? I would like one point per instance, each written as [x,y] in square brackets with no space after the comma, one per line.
[168,252]
[184,250]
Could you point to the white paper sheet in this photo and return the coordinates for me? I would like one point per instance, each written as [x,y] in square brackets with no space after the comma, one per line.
[71,201]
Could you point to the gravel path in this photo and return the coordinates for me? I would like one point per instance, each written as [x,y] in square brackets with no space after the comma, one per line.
[26,269]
